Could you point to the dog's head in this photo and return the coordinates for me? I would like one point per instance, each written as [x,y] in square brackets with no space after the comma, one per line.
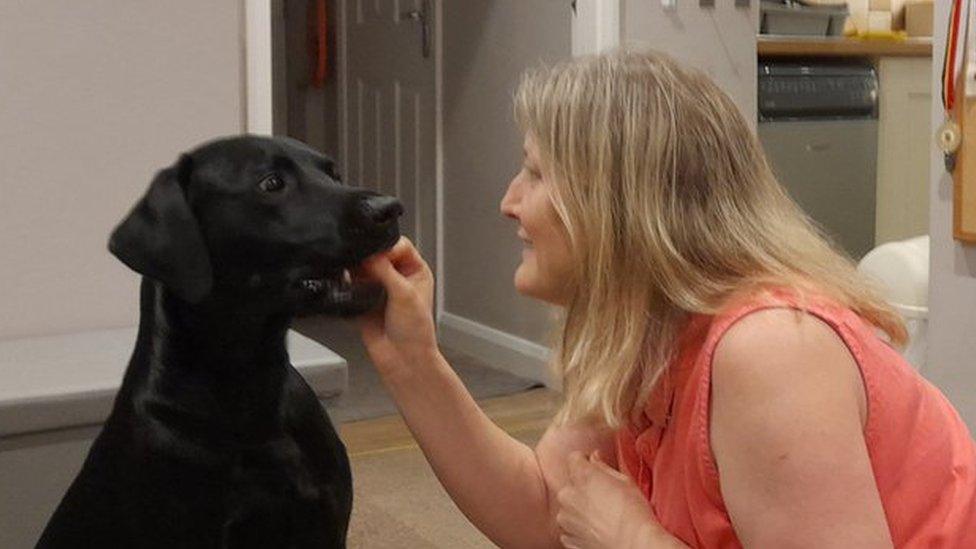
[260,219]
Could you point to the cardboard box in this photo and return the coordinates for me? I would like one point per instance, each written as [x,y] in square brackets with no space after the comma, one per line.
[879,5]
[897,14]
[857,20]
[919,18]
[879,21]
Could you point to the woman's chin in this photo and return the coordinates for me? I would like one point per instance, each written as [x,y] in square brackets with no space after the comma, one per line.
[520,285]
[529,286]
[525,282]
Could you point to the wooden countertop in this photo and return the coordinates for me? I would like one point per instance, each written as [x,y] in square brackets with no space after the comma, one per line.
[803,46]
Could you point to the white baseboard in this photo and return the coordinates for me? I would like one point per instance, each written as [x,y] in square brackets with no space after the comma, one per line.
[500,349]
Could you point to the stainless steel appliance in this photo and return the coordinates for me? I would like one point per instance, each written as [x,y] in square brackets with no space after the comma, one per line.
[818,125]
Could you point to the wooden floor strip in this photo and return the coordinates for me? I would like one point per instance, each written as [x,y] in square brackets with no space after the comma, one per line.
[518,414]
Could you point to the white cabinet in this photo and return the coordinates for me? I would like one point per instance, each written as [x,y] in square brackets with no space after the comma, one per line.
[905,136]
[55,393]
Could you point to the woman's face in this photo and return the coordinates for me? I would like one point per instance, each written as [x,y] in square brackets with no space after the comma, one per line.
[546,269]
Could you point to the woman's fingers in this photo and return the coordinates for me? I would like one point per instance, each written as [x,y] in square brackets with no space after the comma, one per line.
[596,459]
[571,542]
[566,497]
[397,268]
[380,268]
[404,325]
[406,258]
[403,257]
[570,524]
[577,467]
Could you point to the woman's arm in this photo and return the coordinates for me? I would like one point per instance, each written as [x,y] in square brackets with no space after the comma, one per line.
[788,410]
[504,487]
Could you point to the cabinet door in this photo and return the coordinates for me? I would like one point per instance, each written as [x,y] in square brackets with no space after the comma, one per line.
[904,145]
[827,166]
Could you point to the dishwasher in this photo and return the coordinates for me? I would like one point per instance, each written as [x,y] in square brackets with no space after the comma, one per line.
[818,124]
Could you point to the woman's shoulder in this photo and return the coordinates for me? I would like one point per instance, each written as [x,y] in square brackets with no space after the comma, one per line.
[788,412]
[778,341]
[786,363]
[761,348]
[779,312]
[754,328]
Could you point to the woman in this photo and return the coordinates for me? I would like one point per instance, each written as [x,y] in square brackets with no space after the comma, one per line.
[726,376]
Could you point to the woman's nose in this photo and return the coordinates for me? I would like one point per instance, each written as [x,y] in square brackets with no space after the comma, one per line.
[509,204]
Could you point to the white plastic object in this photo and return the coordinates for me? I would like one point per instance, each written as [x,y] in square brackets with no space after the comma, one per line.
[902,270]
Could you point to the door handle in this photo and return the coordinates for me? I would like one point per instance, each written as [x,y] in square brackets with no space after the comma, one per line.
[421,16]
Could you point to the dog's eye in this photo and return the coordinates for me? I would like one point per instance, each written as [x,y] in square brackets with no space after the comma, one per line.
[271,184]
[331,170]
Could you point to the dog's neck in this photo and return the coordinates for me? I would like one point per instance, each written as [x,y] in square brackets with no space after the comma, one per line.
[220,361]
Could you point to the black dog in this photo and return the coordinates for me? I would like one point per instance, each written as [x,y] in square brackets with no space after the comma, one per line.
[214,439]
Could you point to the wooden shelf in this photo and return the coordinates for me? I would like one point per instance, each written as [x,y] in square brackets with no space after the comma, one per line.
[800,46]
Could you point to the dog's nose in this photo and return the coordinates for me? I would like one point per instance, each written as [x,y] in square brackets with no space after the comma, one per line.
[381,210]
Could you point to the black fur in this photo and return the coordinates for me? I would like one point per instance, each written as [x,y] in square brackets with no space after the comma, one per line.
[214,439]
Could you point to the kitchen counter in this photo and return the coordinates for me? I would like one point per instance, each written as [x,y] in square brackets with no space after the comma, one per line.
[804,46]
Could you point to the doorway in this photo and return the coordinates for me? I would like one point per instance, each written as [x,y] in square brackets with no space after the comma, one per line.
[356,80]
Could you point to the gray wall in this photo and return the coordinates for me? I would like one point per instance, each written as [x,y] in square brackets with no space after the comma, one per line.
[94,97]
[487,44]
[952,279]
[720,40]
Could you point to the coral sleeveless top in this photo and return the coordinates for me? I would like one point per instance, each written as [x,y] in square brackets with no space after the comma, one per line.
[922,454]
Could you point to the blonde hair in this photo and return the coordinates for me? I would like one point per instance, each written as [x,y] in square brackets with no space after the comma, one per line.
[671,209]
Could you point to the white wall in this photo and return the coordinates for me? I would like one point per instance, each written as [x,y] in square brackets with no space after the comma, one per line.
[952,279]
[719,40]
[94,97]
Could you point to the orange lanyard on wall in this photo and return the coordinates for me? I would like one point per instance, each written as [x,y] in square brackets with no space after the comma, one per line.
[957,136]
[950,134]
[318,43]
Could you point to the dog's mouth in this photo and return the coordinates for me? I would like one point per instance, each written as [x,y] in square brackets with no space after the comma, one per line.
[338,292]
[335,287]
[339,289]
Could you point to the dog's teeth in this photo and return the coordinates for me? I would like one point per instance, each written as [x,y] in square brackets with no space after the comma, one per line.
[346,276]
[312,285]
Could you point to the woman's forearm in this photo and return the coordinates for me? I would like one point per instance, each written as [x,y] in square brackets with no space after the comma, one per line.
[494,479]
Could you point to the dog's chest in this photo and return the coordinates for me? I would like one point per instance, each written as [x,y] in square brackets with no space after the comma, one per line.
[276,467]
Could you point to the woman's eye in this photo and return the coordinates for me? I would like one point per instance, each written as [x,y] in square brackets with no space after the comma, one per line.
[271,184]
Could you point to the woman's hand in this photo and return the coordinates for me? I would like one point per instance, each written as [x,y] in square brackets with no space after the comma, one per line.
[402,331]
[601,508]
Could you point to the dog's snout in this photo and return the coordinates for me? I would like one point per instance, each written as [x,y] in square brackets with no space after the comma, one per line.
[381,210]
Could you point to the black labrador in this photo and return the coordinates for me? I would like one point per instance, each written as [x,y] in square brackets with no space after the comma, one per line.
[214,439]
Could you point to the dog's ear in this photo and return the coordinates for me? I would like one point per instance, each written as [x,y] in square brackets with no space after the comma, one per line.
[161,238]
